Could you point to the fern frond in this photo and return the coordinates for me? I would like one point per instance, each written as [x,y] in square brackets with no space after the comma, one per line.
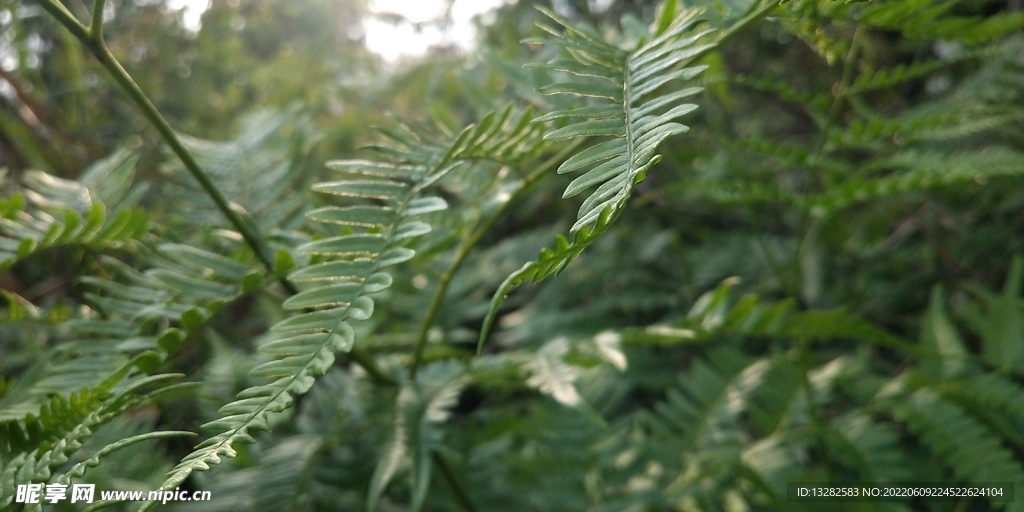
[36,445]
[872,448]
[924,19]
[993,398]
[52,211]
[769,463]
[923,170]
[80,468]
[623,82]
[422,406]
[885,78]
[713,314]
[260,169]
[1000,321]
[551,375]
[155,310]
[946,123]
[627,110]
[966,446]
[335,289]
[698,406]
[274,483]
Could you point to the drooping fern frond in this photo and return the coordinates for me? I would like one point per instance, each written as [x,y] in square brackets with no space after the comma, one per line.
[628,110]
[335,289]
[51,211]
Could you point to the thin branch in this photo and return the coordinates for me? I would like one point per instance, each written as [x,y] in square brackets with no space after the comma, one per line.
[841,91]
[96,23]
[469,242]
[150,112]
[460,492]
[64,17]
[366,361]
[767,7]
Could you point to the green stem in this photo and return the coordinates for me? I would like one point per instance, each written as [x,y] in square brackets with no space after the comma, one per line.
[365,360]
[742,25]
[96,26]
[844,85]
[470,241]
[449,475]
[64,16]
[807,224]
[92,38]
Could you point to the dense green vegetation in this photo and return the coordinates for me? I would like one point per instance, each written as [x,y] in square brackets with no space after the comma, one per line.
[531,286]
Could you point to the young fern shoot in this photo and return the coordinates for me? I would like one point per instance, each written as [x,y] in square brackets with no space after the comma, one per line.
[628,109]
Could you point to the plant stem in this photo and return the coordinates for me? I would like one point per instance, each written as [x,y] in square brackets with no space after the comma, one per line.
[449,475]
[470,241]
[767,7]
[96,25]
[844,85]
[64,16]
[92,38]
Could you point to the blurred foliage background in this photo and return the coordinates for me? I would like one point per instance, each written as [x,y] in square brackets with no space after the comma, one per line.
[820,282]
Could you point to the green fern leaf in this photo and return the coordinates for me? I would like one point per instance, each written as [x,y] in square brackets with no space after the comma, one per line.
[637,120]
[422,406]
[923,171]
[872,448]
[51,211]
[259,169]
[334,293]
[153,310]
[888,77]
[993,398]
[275,483]
[965,445]
[35,446]
[713,314]
[1001,325]
[697,406]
